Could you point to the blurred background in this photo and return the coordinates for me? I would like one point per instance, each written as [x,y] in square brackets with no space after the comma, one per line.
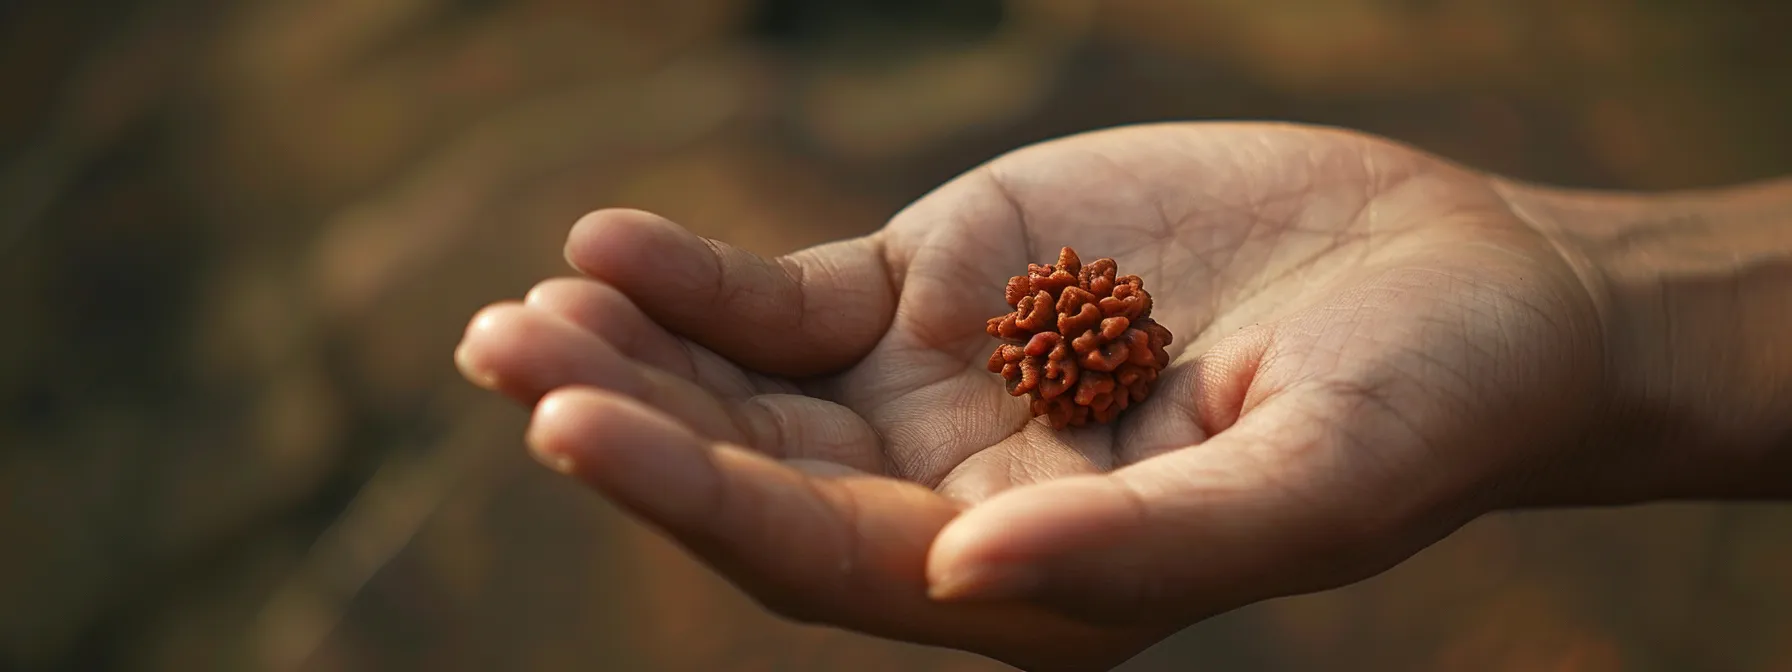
[239,240]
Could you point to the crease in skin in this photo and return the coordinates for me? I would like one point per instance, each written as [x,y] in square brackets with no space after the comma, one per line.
[1023,446]
[1035,454]
[803,427]
[946,443]
[715,373]
[991,173]
[757,421]
[873,387]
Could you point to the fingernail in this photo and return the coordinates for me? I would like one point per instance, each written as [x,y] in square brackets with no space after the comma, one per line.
[642,459]
[474,373]
[558,461]
[987,583]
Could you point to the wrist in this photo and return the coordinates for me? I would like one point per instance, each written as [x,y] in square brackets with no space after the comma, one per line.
[1694,291]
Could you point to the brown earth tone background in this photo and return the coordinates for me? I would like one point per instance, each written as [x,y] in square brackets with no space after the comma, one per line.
[238,241]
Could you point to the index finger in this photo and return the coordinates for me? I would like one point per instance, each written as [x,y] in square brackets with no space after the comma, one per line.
[812,312]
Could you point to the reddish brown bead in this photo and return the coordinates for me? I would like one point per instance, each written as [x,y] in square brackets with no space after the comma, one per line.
[1080,340]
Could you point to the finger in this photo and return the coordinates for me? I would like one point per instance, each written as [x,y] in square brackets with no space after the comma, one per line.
[843,549]
[522,352]
[1269,507]
[525,352]
[613,317]
[797,427]
[742,511]
[812,312]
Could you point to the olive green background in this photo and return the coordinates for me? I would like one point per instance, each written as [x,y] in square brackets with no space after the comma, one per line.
[239,240]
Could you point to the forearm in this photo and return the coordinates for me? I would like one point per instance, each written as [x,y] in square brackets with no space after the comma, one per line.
[1695,294]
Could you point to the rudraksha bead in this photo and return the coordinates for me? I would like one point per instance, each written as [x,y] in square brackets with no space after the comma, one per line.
[1080,342]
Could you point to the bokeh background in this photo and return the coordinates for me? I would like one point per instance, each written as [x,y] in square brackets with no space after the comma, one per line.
[239,240]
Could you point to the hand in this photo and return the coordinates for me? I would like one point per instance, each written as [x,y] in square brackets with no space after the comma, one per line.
[1371,350]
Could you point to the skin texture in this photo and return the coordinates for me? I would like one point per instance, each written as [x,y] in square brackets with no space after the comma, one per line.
[1373,348]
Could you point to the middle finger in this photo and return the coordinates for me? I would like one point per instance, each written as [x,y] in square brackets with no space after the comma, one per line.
[525,353]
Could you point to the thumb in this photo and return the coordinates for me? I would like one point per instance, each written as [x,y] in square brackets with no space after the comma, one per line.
[1286,501]
[807,313]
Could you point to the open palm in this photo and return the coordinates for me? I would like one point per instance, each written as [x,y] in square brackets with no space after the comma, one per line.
[1371,348]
